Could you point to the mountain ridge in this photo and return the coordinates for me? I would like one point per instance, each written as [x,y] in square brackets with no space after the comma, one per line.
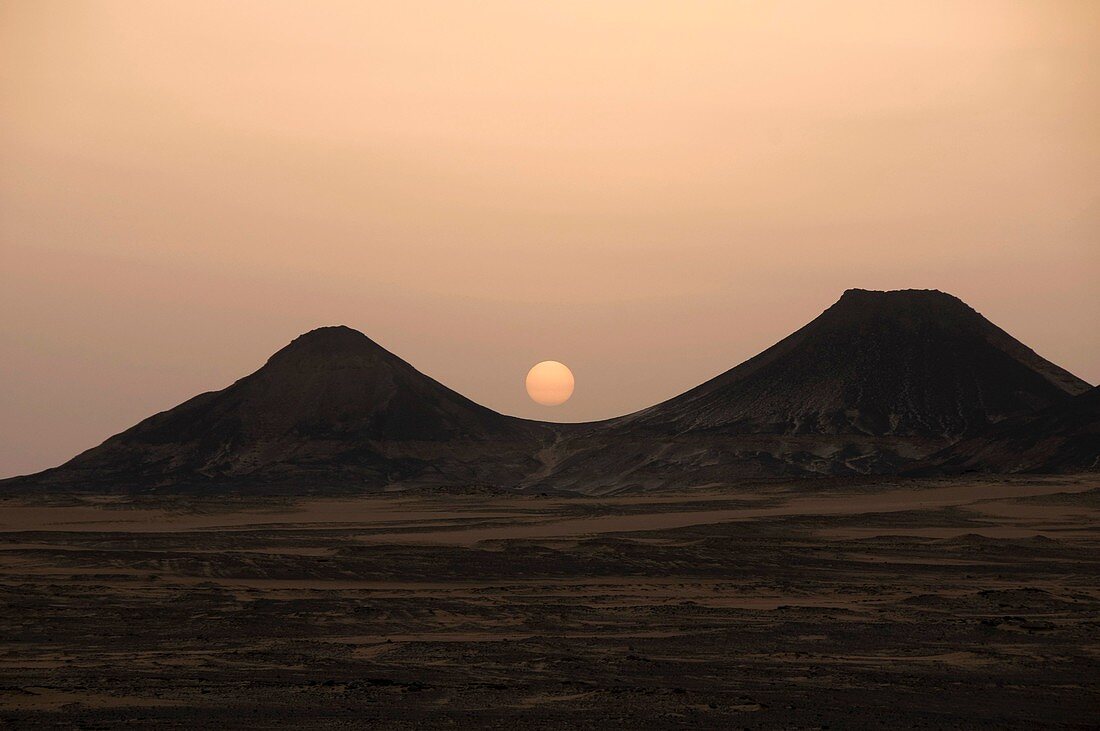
[868,353]
[331,404]
[1063,438]
[877,382]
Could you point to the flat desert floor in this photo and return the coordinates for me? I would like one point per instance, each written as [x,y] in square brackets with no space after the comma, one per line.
[970,603]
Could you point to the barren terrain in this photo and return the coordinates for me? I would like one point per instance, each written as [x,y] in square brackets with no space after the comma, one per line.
[869,603]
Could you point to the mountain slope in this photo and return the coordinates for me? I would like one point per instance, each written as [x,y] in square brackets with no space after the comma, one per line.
[902,363]
[332,405]
[1062,438]
[874,385]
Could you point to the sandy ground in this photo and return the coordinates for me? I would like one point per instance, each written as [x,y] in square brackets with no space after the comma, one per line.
[965,603]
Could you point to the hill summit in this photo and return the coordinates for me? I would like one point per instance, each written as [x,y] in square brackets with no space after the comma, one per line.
[904,363]
[877,383]
[332,405]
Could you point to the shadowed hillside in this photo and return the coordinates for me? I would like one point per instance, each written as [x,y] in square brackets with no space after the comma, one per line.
[332,407]
[878,382]
[909,362]
[874,385]
[1062,438]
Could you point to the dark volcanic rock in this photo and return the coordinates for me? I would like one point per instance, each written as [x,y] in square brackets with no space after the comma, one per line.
[1062,438]
[905,363]
[333,406]
[875,385]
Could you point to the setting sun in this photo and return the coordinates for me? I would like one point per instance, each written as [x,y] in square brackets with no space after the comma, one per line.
[550,383]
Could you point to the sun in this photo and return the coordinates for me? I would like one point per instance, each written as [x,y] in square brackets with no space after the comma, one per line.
[550,383]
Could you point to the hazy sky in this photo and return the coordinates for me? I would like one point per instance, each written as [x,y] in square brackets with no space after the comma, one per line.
[647,192]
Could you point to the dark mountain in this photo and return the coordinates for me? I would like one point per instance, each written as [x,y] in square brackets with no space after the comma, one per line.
[903,363]
[332,406]
[1061,438]
[876,383]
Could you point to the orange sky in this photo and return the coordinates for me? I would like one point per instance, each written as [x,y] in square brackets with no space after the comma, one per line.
[647,192]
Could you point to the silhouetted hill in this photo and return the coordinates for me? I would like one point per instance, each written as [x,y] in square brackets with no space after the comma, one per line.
[876,384]
[903,363]
[332,406]
[1062,438]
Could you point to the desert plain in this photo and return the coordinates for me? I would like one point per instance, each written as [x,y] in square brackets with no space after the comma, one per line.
[878,602]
